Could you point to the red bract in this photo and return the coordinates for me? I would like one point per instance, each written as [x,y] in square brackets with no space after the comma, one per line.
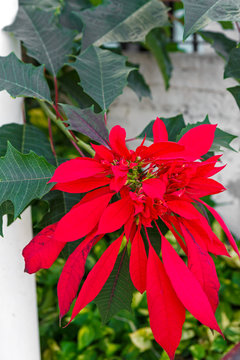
[163,181]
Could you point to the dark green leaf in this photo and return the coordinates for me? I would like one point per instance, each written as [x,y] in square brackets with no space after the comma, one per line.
[103,74]
[138,84]
[117,291]
[69,85]
[122,21]
[156,43]
[221,44]
[59,204]
[26,138]
[235,91]
[6,208]
[41,4]
[23,178]
[174,126]
[87,122]
[221,139]
[69,18]
[233,66]
[200,13]
[44,40]
[21,79]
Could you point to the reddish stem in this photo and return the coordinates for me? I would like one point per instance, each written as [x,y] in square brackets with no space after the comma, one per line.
[77,148]
[132,139]
[51,137]
[105,118]
[147,235]
[238,27]
[60,117]
[158,228]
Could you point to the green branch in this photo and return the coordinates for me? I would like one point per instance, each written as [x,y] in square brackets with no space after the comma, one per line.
[64,129]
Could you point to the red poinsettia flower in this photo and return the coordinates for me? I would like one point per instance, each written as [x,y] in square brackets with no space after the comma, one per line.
[163,181]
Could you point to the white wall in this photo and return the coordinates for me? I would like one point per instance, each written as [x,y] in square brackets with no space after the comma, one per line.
[19,337]
[197,89]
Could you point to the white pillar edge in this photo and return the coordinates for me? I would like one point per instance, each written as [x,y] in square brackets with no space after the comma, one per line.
[19,335]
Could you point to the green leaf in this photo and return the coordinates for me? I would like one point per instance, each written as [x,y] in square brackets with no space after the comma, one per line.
[221,44]
[157,44]
[6,208]
[198,351]
[137,83]
[69,85]
[86,335]
[103,74]
[235,91]
[21,79]
[122,21]
[44,39]
[23,178]
[69,18]
[221,138]
[59,204]
[87,122]
[142,338]
[26,138]
[43,4]
[200,13]
[226,25]
[174,126]
[232,68]
[117,291]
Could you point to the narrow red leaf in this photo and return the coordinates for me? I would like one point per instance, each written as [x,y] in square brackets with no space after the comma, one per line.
[159,131]
[203,268]
[97,277]
[77,169]
[42,250]
[205,237]
[103,153]
[115,216]
[138,263]
[197,141]
[72,274]
[205,168]
[172,223]
[82,185]
[223,225]
[163,150]
[117,139]
[187,287]
[155,188]
[82,218]
[166,312]
[183,208]
[199,187]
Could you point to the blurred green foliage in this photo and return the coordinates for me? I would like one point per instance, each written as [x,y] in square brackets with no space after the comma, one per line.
[128,335]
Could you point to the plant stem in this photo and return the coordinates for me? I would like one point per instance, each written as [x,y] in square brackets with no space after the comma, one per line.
[51,137]
[64,129]
[56,95]
[77,148]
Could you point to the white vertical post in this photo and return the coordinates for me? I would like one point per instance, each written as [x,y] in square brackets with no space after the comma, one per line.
[19,338]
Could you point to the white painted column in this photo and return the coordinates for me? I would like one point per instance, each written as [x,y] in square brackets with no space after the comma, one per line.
[19,338]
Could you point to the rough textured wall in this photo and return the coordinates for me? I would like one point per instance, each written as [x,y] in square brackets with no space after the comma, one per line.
[197,89]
